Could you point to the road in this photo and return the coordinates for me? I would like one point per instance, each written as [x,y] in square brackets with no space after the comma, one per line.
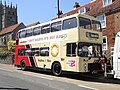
[12,78]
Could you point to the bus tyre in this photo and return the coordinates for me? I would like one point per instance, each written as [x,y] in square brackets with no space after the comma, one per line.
[23,65]
[56,69]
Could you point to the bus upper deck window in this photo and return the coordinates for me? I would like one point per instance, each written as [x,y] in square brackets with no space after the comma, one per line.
[22,34]
[29,32]
[69,23]
[56,26]
[96,25]
[45,29]
[36,31]
[85,23]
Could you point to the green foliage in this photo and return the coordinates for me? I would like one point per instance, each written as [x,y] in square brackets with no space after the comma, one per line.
[11,45]
[3,54]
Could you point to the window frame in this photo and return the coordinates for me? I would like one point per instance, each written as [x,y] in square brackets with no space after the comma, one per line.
[92,51]
[35,51]
[107,2]
[56,25]
[45,29]
[84,27]
[96,25]
[36,29]
[70,53]
[22,32]
[103,21]
[47,55]
[65,23]
[105,44]
[84,10]
[29,32]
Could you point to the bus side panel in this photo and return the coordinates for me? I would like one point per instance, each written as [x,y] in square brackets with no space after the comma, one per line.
[18,59]
[26,59]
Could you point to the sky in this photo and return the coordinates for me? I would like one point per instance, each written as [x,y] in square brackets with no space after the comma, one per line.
[31,11]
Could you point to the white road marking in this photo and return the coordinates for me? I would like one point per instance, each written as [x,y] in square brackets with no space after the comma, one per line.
[87,87]
[36,75]
[102,84]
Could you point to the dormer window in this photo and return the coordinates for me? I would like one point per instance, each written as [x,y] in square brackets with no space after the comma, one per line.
[107,2]
[84,10]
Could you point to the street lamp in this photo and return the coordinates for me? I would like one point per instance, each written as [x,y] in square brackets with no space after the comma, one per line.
[59,12]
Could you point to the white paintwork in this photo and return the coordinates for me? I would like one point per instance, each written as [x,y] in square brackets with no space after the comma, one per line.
[116,57]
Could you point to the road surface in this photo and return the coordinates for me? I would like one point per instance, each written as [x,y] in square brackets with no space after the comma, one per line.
[17,80]
[12,78]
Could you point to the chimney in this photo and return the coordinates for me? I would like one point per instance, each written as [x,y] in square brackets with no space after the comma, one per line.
[76,5]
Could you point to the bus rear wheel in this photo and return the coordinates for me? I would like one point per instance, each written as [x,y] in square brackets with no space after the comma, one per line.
[56,69]
[23,65]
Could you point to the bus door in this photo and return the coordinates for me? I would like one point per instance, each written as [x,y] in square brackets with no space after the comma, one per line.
[71,60]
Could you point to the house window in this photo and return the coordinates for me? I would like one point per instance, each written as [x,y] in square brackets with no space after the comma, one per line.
[105,45]
[84,10]
[3,21]
[107,2]
[102,19]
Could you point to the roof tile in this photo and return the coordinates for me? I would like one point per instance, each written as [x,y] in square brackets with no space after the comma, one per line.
[9,29]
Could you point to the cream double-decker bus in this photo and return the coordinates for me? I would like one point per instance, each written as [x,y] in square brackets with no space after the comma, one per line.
[72,43]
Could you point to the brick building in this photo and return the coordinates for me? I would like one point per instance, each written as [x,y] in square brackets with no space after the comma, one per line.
[9,33]
[108,12]
[8,15]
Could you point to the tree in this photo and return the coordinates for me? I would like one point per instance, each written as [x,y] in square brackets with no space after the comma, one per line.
[11,45]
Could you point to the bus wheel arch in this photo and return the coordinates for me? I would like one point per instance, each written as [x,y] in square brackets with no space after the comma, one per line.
[56,68]
[23,65]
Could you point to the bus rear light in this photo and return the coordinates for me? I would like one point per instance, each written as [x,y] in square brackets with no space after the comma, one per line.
[101,61]
[102,64]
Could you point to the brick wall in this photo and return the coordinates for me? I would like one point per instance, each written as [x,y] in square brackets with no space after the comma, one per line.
[112,27]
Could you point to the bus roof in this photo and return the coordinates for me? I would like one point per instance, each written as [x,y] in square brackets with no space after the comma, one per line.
[60,19]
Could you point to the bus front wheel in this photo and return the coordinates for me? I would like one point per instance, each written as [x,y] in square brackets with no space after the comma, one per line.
[23,65]
[56,69]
